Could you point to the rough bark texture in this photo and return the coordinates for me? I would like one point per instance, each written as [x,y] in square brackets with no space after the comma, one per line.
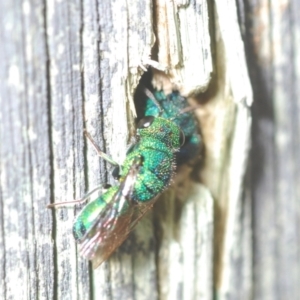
[70,65]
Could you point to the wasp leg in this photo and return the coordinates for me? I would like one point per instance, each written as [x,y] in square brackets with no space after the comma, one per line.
[76,201]
[98,150]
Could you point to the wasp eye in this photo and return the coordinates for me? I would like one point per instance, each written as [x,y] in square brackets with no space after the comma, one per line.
[145,122]
[181,138]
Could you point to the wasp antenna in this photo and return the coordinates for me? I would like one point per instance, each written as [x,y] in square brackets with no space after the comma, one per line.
[98,150]
[185,110]
[189,108]
[150,95]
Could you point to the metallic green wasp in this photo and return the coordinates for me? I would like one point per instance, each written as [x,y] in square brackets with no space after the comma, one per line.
[104,223]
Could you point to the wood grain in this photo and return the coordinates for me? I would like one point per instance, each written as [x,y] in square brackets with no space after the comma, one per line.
[273,51]
[228,230]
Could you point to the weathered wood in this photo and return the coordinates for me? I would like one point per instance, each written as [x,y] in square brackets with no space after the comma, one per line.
[184,43]
[70,65]
[273,51]
[27,252]
[233,215]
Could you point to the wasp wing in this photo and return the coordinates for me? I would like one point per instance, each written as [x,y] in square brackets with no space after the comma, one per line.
[123,226]
[111,227]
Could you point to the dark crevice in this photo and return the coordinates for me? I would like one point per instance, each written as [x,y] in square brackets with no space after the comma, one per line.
[73,98]
[262,111]
[241,14]
[98,8]
[51,151]
[102,105]
[81,63]
[154,52]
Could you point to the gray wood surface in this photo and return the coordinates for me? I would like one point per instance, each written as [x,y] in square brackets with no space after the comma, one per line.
[27,247]
[273,44]
[230,232]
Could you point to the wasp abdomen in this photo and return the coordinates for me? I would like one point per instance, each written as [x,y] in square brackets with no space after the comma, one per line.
[85,221]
